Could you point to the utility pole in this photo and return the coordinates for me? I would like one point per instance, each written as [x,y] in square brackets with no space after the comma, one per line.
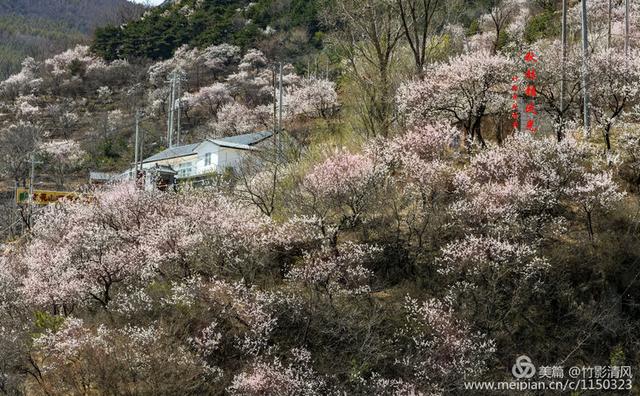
[178,105]
[609,25]
[278,141]
[135,160]
[141,150]
[585,70]
[626,28]
[31,179]
[175,103]
[14,219]
[141,176]
[171,106]
[563,87]
[275,100]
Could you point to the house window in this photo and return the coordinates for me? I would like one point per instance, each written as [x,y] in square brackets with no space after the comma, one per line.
[184,169]
[207,159]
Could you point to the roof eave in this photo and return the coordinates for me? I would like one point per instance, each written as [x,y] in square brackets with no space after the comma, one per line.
[148,160]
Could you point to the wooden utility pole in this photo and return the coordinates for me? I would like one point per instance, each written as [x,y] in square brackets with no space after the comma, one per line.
[585,70]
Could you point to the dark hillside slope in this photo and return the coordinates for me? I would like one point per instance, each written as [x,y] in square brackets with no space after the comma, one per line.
[281,28]
[41,28]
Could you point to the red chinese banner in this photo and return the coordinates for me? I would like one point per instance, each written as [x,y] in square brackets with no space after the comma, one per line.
[529,94]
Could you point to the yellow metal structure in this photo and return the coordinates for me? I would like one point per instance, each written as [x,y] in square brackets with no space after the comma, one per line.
[42,197]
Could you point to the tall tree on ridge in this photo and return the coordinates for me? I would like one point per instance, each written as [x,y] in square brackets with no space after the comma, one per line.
[368,33]
[417,18]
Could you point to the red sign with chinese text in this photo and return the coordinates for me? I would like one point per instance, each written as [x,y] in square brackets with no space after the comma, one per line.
[529,96]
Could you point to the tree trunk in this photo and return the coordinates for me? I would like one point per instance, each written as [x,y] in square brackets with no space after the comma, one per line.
[385,105]
[499,131]
[477,126]
[607,141]
[477,131]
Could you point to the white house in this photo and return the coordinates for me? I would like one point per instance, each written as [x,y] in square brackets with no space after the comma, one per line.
[208,156]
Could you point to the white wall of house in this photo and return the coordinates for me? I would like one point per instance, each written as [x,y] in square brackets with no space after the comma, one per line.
[207,161]
[230,158]
[213,158]
[209,158]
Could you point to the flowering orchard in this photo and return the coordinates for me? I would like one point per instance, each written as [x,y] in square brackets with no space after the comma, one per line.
[189,278]
[431,211]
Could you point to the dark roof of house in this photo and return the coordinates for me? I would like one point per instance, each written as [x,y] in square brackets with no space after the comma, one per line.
[241,142]
[174,152]
[249,139]
[164,169]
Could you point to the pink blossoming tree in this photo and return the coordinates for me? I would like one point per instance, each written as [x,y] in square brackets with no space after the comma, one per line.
[464,91]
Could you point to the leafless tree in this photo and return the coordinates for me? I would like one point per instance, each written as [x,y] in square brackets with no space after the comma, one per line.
[17,144]
[368,33]
[259,176]
[501,14]
[418,24]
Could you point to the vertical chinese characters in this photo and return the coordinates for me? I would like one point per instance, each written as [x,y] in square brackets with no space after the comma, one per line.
[530,92]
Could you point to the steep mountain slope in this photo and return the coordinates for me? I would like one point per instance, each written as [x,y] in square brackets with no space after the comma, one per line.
[280,28]
[41,28]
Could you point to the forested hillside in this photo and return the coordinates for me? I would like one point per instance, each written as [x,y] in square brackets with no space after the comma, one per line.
[283,29]
[279,28]
[452,203]
[41,28]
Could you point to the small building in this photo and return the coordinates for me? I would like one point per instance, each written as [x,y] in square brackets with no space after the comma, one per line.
[99,178]
[207,157]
